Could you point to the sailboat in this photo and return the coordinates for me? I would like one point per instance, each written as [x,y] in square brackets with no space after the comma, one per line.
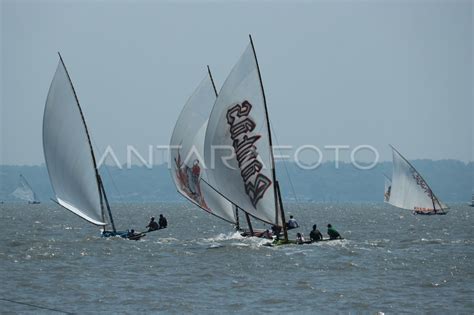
[70,158]
[25,192]
[187,146]
[410,191]
[188,168]
[472,201]
[238,145]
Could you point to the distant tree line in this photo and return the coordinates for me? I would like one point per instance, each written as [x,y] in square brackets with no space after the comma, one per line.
[451,180]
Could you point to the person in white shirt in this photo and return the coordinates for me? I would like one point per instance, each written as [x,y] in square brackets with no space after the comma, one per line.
[300,238]
[292,224]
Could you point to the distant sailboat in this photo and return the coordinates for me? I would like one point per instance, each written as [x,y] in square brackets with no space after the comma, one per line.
[187,151]
[69,156]
[410,191]
[239,121]
[472,200]
[25,192]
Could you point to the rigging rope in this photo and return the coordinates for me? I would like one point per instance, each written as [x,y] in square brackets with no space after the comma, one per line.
[284,164]
[110,175]
[112,180]
[35,306]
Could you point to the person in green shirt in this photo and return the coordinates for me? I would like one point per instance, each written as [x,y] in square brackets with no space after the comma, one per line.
[333,234]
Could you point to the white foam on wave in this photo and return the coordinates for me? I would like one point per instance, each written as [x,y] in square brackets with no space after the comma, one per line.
[224,237]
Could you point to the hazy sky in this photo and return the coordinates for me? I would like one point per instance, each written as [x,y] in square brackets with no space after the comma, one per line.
[335,72]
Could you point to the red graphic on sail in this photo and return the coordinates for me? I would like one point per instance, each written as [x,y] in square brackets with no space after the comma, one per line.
[189,181]
[387,194]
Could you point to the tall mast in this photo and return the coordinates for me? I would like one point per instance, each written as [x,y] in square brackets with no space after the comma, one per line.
[249,223]
[108,205]
[88,137]
[237,221]
[279,206]
[212,80]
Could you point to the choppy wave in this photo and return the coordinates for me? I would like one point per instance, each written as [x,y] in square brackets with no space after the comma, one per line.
[388,262]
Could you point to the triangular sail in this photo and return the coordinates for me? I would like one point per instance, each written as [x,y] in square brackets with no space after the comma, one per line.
[237,146]
[68,151]
[24,191]
[409,189]
[187,151]
[387,189]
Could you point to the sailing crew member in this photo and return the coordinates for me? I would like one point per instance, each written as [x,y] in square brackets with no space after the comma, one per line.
[131,233]
[267,234]
[152,226]
[163,223]
[333,234]
[300,238]
[292,224]
[134,236]
[276,230]
[315,235]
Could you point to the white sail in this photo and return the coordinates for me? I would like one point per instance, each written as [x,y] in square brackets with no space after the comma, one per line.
[24,191]
[387,190]
[409,190]
[187,145]
[238,125]
[68,153]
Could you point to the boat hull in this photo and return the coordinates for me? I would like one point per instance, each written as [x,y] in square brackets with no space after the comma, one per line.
[288,242]
[430,213]
[116,233]
[256,233]
[123,234]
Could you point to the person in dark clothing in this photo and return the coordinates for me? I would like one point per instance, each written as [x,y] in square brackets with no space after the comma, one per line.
[267,234]
[333,234]
[152,226]
[315,235]
[132,235]
[163,223]
[276,230]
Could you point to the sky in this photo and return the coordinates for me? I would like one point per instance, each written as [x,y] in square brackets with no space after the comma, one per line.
[335,72]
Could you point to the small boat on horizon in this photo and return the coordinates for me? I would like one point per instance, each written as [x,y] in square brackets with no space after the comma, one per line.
[25,192]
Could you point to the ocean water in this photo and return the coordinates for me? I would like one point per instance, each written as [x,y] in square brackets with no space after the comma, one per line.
[390,261]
